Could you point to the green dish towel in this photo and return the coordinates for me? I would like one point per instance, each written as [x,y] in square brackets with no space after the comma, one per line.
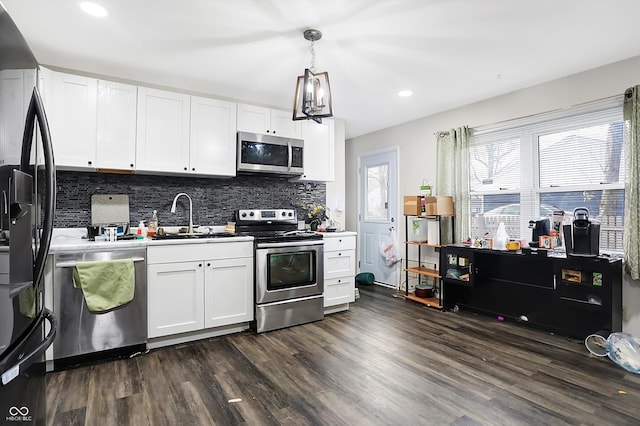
[27,299]
[106,284]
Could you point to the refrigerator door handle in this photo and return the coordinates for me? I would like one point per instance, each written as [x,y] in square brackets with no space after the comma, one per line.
[36,111]
[8,374]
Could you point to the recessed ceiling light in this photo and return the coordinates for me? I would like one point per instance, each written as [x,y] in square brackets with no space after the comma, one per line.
[93,9]
[405,93]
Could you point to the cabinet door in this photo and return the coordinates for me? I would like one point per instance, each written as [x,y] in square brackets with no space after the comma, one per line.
[116,123]
[338,291]
[339,264]
[174,295]
[162,131]
[72,120]
[254,119]
[13,108]
[213,137]
[457,266]
[319,158]
[228,291]
[282,124]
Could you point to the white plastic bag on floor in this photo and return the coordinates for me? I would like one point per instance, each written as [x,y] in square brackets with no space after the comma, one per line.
[388,249]
[624,350]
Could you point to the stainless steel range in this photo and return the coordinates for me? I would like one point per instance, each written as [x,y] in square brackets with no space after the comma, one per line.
[289,270]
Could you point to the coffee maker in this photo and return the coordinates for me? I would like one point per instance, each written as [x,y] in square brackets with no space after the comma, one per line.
[539,228]
[582,236]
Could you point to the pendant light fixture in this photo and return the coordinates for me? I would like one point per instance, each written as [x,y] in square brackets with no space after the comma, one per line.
[313,94]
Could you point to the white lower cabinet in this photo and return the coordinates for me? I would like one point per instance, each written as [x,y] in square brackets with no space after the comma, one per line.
[175,298]
[228,291]
[339,271]
[194,287]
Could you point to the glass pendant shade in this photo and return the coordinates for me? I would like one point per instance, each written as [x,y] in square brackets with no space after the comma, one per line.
[313,97]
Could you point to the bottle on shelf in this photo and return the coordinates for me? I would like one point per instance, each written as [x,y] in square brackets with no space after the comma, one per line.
[153,224]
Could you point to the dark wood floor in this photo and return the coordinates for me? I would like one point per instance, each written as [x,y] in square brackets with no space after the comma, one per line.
[387,361]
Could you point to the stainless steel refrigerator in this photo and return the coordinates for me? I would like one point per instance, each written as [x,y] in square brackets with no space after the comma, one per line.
[27,207]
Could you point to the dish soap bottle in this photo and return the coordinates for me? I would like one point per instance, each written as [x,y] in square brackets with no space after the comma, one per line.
[153,224]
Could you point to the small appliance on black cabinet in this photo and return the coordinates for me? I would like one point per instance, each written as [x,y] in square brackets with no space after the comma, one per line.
[582,237]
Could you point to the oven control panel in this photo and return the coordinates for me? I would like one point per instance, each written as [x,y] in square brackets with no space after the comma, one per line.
[267,215]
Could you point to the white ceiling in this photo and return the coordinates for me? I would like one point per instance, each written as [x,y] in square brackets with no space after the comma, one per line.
[448,52]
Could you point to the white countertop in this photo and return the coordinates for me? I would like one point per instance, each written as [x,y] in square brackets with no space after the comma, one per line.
[74,239]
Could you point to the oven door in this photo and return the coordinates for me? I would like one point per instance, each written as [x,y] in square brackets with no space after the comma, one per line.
[289,270]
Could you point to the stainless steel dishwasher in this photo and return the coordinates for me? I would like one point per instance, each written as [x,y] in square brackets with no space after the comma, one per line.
[83,335]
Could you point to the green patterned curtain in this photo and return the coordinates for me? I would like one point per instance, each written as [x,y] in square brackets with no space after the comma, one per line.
[631,112]
[453,176]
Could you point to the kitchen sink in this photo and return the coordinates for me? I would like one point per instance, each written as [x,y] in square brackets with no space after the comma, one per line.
[196,235]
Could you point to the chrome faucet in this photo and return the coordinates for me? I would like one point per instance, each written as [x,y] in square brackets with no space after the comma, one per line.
[173,209]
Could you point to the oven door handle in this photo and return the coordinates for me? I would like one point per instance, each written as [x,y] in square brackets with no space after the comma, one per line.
[291,244]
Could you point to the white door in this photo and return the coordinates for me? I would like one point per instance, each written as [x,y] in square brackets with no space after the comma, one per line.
[378,210]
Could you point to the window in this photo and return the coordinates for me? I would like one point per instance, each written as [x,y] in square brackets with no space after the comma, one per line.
[377,206]
[550,163]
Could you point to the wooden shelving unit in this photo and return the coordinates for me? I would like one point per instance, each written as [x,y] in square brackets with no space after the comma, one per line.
[421,271]
[425,271]
[432,302]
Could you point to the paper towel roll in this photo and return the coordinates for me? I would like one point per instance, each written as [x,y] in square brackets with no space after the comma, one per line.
[433,232]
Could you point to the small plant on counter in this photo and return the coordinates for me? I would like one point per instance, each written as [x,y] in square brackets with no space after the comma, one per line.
[315,214]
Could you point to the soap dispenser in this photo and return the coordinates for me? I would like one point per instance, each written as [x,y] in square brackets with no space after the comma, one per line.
[153,224]
[142,230]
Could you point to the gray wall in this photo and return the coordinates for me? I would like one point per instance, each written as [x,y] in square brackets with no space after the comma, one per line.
[214,200]
[416,140]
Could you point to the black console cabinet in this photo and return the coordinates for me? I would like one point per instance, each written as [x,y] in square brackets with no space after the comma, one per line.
[571,297]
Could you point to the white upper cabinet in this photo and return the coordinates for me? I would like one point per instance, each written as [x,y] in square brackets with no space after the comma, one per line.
[283,125]
[116,126]
[213,137]
[72,119]
[267,121]
[163,131]
[319,147]
[14,85]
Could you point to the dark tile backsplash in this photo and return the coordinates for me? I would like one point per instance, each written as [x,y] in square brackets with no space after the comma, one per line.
[214,200]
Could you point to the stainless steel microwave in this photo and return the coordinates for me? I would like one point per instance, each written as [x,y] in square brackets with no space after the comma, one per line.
[269,154]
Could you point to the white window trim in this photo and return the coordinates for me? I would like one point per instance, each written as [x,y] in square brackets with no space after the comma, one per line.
[527,130]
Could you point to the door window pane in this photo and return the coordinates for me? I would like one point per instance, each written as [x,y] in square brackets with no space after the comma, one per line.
[377,205]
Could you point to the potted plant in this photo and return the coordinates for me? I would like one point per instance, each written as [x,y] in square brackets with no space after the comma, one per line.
[316,214]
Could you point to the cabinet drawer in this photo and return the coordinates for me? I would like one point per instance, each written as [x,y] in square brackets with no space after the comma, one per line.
[338,291]
[340,243]
[190,252]
[339,264]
